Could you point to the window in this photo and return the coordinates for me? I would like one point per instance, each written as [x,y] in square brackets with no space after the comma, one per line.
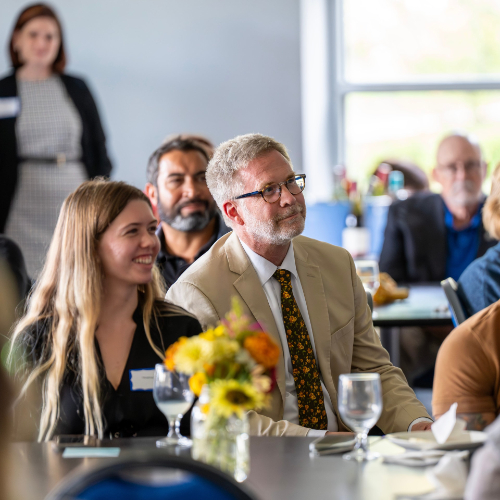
[409,71]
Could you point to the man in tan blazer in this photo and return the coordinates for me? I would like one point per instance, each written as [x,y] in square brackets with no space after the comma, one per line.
[252,180]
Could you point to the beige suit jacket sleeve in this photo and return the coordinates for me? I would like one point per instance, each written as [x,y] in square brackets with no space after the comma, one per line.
[260,425]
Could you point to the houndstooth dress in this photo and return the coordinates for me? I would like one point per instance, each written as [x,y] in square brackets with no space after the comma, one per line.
[49,126]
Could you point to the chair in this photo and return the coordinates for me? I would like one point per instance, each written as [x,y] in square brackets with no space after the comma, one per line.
[369,299]
[450,288]
[153,476]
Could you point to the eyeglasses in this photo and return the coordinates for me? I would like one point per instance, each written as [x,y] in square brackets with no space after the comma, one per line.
[469,167]
[272,192]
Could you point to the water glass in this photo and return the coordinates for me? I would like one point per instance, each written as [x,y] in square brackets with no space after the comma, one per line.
[360,406]
[174,398]
[368,273]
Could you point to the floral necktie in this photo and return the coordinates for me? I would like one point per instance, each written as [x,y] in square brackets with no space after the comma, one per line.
[312,412]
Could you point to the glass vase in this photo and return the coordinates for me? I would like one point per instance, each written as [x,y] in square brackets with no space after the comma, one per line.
[218,441]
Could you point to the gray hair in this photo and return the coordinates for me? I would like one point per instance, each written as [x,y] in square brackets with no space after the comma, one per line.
[231,157]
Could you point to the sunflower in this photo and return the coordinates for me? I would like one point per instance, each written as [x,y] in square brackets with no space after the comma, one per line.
[231,396]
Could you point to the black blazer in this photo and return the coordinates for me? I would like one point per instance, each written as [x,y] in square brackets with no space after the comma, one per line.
[414,247]
[94,156]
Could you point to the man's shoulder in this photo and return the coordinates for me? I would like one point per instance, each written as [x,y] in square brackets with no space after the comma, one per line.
[482,326]
[318,247]
[422,203]
[212,262]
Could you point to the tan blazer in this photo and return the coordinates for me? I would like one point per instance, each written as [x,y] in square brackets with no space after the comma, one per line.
[341,324]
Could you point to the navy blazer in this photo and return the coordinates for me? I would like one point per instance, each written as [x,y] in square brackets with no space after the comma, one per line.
[415,246]
[94,155]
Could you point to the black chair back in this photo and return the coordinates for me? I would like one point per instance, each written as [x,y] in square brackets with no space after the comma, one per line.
[457,310]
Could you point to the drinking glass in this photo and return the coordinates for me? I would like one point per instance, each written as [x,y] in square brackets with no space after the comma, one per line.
[360,406]
[368,273]
[173,397]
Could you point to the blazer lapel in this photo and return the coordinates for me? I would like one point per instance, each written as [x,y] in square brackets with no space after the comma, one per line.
[248,286]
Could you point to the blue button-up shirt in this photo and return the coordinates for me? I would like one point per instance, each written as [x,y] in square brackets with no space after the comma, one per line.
[462,245]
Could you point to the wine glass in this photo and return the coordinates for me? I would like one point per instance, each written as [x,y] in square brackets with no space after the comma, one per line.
[173,397]
[360,406]
[368,273]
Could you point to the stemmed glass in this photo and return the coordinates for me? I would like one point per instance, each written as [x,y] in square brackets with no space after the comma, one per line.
[173,397]
[360,406]
[368,273]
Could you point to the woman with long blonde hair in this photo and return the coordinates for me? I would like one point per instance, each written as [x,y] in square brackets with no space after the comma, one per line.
[97,317]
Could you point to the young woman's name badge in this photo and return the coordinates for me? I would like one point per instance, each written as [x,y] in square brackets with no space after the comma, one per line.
[142,380]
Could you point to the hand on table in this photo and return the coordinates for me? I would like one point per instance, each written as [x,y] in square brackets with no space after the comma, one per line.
[421,426]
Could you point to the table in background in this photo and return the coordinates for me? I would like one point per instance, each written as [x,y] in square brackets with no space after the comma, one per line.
[280,468]
[425,306]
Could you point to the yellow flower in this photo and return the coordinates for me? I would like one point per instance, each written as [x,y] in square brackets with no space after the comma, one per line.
[220,349]
[196,382]
[231,396]
[187,358]
[213,333]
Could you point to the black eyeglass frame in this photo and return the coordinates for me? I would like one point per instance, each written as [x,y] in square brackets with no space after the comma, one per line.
[261,191]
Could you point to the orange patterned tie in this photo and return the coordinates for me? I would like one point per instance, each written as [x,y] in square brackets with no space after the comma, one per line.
[312,411]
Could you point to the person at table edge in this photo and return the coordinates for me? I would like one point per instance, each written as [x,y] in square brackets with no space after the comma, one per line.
[468,370]
[189,220]
[326,327]
[430,237]
[479,284]
[97,322]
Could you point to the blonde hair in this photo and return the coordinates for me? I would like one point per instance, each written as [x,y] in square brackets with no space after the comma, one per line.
[232,156]
[491,210]
[67,298]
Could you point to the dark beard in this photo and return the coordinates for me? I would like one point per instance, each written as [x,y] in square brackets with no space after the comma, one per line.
[196,221]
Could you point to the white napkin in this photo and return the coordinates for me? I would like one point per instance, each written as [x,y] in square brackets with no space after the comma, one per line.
[449,427]
[448,476]
[422,458]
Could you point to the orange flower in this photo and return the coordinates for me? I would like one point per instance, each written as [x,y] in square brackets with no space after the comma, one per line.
[262,349]
[169,355]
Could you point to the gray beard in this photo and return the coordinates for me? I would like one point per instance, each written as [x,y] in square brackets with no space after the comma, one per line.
[194,222]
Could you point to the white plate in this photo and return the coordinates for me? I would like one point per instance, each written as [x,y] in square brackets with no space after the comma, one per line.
[424,440]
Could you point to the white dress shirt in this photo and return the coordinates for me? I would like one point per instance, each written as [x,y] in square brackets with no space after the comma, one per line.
[265,270]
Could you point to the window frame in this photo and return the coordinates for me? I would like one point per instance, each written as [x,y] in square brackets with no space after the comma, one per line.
[340,87]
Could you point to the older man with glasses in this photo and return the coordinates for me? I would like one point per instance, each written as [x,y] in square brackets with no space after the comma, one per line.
[304,292]
[430,237]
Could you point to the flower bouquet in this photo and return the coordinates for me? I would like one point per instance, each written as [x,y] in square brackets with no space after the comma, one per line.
[232,370]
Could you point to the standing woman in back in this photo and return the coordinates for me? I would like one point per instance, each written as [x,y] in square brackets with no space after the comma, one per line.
[51,138]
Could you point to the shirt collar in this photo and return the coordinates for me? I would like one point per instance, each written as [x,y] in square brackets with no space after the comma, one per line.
[265,269]
[473,224]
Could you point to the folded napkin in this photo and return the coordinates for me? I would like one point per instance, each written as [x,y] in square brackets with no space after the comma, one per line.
[421,458]
[450,428]
[448,477]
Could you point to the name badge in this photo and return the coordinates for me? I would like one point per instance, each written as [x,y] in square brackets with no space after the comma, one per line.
[9,107]
[142,380]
